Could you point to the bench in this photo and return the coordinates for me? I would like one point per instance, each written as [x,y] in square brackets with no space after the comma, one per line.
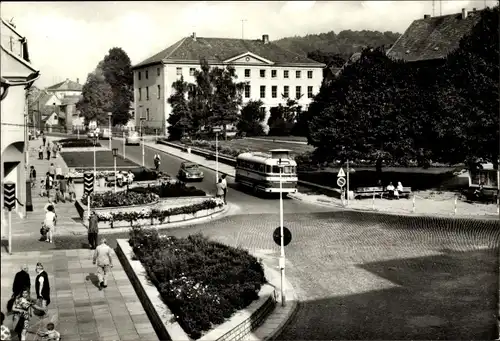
[367,192]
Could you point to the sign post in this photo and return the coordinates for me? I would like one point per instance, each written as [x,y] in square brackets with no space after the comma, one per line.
[341,183]
[10,203]
[282,237]
[216,130]
[347,182]
[88,189]
[124,139]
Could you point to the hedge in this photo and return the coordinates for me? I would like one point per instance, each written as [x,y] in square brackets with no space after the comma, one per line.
[122,198]
[170,190]
[77,143]
[201,281]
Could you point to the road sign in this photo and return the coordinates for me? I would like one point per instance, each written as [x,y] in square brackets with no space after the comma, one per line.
[341,182]
[9,195]
[287,236]
[340,173]
[88,183]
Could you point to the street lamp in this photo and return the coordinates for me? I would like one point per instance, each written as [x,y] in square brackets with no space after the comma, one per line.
[282,239]
[94,140]
[115,154]
[109,120]
[78,125]
[216,130]
[142,141]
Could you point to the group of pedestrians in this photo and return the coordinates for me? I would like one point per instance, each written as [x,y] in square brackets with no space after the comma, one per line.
[21,305]
[48,148]
[222,188]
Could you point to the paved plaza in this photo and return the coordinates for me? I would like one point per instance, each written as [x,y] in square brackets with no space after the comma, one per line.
[79,310]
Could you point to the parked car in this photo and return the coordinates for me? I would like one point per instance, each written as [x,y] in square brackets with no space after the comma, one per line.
[190,171]
[133,138]
[105,133]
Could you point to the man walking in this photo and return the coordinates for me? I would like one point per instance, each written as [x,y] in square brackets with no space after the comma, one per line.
[42,287]
[102,257]
[93,230]
[44,139]
[224,187]
[52,171]
[48,148]
[32,176]
[21,281]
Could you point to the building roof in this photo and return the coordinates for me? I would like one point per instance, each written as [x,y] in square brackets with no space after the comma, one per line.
[221,49]
[70,100]
[433,37]
[67,85]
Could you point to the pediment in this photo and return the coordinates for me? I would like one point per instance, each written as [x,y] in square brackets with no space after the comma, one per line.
[248,58]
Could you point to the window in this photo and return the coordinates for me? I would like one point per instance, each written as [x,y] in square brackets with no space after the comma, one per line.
[285,74]
[139,75]
[298,92]
[191,71]
[158,71]
[297,74]
[309,92]
[262,73]
[159,91]
[147,76]
[147,114]
[262,91]
[178,71]
[147,93]
[274,73]
[309,74]
[247,72]
[286,91]
[274,91]
[140,94]
[247,91]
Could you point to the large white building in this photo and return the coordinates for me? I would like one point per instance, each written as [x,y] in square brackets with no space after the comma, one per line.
[270,71]
[16,73]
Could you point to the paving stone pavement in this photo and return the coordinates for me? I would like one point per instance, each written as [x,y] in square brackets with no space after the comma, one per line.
[80,311]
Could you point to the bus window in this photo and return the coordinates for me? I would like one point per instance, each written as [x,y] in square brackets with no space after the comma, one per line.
[262,168]
[276,169]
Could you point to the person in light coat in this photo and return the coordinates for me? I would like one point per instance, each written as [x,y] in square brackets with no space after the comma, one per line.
[102,258]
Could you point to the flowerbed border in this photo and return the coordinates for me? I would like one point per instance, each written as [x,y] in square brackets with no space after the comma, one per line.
[234,329]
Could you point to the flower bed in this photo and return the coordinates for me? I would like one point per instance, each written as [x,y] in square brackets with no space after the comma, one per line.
[76,143]
[202,282]
[123,198]
[170,190]
[140,174]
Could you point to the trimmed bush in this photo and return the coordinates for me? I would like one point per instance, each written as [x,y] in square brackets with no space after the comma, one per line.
[144,174]
[124,198]
[171,190]
[77,143]
[201,281]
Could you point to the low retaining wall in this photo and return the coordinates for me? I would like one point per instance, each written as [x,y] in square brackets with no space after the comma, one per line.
[234,329]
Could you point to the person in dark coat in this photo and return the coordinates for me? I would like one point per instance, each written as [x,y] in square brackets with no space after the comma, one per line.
[93,230]
[21,281]
[42,287]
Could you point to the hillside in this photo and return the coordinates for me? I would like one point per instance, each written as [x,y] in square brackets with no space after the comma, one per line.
[334,49]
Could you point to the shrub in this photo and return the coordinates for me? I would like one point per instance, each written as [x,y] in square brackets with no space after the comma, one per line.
[77,143]
[124,198]
[144,174]
[171,190]
[202,282]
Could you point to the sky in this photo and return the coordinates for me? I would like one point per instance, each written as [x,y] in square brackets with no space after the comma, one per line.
[68,39]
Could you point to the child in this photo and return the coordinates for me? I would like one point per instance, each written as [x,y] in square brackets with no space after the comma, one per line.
[51,334]
[43,190]
[40,152]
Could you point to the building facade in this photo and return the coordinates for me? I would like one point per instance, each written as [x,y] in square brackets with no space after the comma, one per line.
[17,73]
[271,73]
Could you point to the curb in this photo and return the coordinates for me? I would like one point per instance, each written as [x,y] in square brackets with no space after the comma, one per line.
[426,215]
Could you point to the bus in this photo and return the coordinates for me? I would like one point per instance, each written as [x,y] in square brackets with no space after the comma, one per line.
[261,171]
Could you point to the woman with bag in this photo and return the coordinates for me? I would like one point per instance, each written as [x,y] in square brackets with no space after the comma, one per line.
[22,313]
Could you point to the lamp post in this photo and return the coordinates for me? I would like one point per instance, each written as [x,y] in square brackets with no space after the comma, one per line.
[142,141]
[109,120]
[282,234]
[78,125]
[94,139]
[216,130]
[115,154]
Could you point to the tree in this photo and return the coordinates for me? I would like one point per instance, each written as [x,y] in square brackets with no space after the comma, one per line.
[97,98]
[251,119]
[180,120]
[117,70]
[283,118]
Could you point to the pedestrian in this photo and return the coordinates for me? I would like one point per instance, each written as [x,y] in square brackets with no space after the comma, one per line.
[49,183]
[51,334]
[21,281]
[54,149]
[224,187]
[102,257]
[40,152]
[220,189]
[42,287]
[71,189]
[63,188]
[50,222]
[4,331]
[32,176]
[22,313]
[93,230]
[44,139]
[52,171]
[48,149]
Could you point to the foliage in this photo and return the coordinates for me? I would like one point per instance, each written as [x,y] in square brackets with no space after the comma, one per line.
[202,282]
[97,98]
[180,119]
[74,143]
[251,119]
[117,70]
[144,174]
[170,190]
[283,118]
[123,198]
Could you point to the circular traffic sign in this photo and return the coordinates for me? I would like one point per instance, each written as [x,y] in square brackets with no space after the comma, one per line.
[287,236]
[341,182]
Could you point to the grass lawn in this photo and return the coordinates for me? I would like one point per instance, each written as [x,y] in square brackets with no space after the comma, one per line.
[283,138]
[265,146]
[104,159]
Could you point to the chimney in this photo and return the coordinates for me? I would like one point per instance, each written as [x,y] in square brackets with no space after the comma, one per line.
[265,39]
[474,9]
[78,80]
[427,16]
[464,13]
[194,36]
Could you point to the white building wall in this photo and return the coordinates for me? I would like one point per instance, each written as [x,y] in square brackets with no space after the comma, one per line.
[155,103]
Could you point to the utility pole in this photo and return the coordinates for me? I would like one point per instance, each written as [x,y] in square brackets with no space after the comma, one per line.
[433,8]
[243,28]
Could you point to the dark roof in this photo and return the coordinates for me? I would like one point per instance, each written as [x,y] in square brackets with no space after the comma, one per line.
[67,85]
[434,37]
[219,49]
